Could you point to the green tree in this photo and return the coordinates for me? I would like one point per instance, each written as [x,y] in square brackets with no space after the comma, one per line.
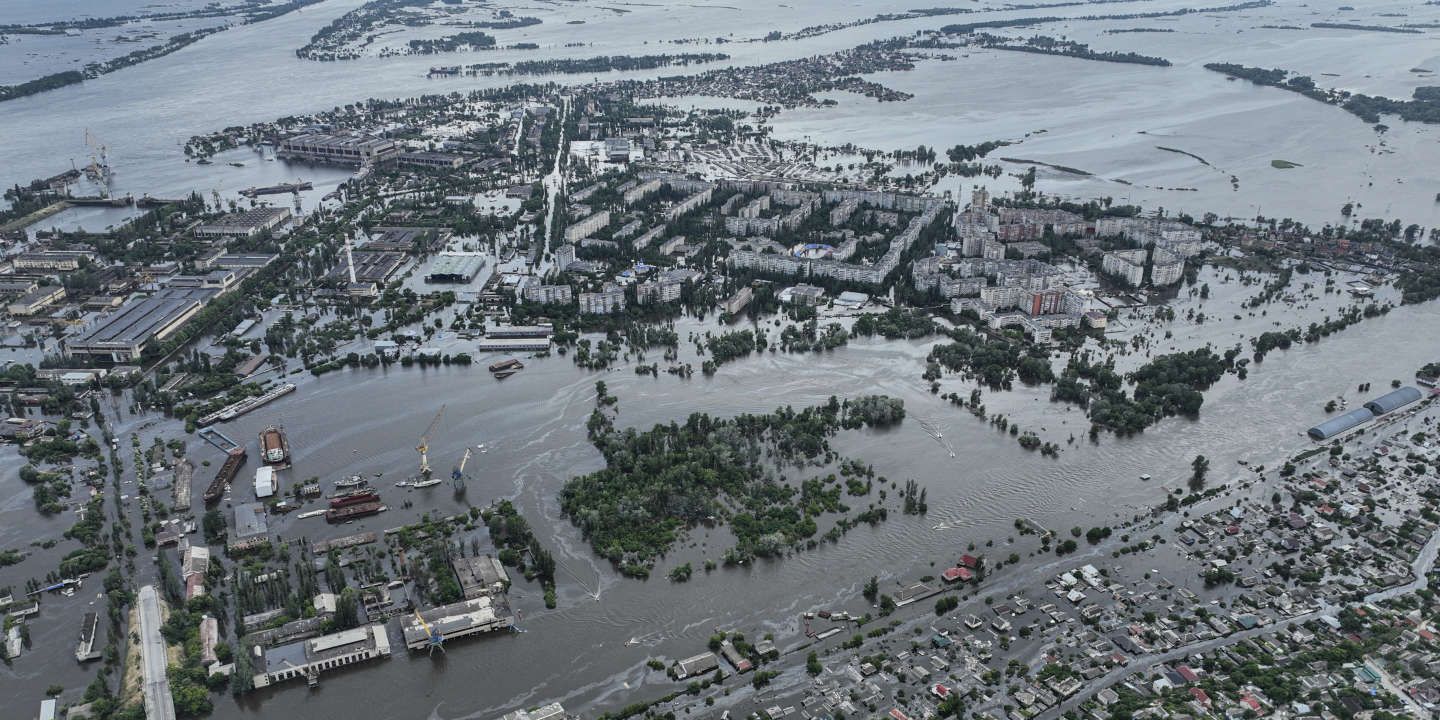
[1198,467]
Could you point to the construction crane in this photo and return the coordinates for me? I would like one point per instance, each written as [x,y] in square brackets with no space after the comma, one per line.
[436,640]
[457,474]
[424,447]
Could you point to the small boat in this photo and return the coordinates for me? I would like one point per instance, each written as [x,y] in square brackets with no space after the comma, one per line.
[1145,477]
[425,483]
[501,375]
[632,641]
[237,164]
[204,161]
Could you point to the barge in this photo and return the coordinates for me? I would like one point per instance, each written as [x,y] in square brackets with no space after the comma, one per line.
[233,462]
[358,498]
[351,512]
[230,412]
[275,447]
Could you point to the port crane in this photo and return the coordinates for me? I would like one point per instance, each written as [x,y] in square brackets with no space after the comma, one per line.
[99,167]
[457,474]
[424,447]
[436,640]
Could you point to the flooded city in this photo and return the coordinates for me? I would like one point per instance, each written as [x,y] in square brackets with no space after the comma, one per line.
[543,284]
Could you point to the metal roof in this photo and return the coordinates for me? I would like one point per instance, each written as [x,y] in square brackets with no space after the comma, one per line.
[1393,400]
[1340,423]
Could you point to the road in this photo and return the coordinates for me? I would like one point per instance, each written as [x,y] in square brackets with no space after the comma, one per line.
[158,703]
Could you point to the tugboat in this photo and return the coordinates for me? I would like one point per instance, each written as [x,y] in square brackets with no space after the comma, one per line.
[274,447]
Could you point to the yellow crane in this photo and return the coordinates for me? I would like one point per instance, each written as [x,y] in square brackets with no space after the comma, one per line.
[457,473]
[436,640]
[424,447]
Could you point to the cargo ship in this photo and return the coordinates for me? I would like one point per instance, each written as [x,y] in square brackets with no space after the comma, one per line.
[274,446]
[350,512]
[233,462]
[355,498]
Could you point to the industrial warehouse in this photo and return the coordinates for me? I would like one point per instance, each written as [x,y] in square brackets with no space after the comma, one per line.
[462,619]
[1382,405]
[308,658]
[455,268]
[125,335]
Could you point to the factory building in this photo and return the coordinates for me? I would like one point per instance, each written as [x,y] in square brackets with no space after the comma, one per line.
[456,268]
[468,617]
[337,149]
[309,658]
[125,335]
[244,224]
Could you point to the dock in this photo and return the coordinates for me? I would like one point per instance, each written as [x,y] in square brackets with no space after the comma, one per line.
[230,412]
[280,189]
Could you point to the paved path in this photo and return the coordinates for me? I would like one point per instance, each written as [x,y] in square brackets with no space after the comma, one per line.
[158,703]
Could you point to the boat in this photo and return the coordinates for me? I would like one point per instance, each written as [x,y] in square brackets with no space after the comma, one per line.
[204,161]
[431,482]
[233,461]
[354,499]
[274,446]
[1145,477]
[353,481]
[505,374]
[237,164]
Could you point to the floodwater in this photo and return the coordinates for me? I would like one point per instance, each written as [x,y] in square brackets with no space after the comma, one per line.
[1103,118]
[533,423]
[533,429]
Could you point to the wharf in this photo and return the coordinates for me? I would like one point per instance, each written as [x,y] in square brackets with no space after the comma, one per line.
[230,412]
[97,201]
[34,217]
[146,201]
[280,189]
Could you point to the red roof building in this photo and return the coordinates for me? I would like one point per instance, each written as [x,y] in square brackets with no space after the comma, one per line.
[957,574]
